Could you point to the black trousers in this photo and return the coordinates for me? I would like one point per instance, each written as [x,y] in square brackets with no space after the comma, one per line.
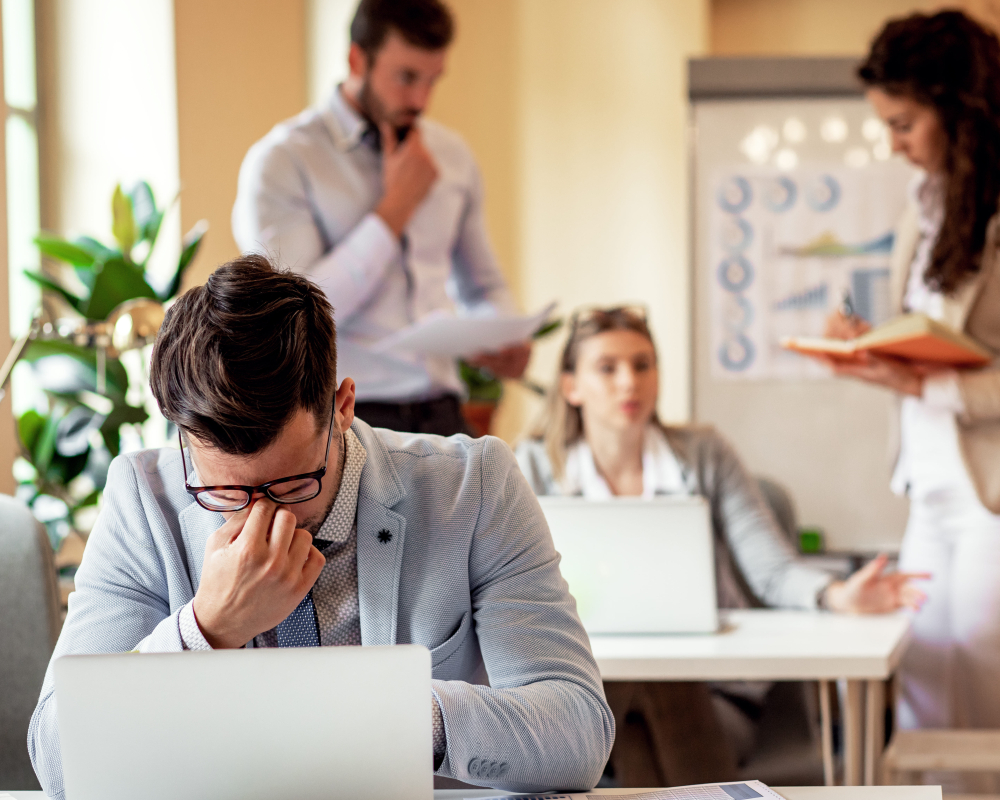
[441,415]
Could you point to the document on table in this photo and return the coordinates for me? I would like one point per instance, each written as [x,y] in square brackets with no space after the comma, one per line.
[442,333]
[738,790]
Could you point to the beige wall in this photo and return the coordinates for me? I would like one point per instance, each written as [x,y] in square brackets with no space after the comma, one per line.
[241,68]
[577,113]
[604,174]
[8,439]
[815,27]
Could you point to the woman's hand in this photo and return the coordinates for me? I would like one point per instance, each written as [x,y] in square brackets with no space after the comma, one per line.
[871,591]
[900,376]
[841,326]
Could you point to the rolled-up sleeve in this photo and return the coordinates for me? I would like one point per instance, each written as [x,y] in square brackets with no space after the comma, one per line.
[275,215]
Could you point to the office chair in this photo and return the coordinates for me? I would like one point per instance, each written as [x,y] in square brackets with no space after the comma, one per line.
[29,625]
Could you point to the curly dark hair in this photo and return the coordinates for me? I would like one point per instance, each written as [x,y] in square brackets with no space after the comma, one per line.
[952,63]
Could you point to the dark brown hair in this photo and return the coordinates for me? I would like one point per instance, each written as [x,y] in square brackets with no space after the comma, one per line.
[237,357]
[423,23]
[561,424]
[951,63]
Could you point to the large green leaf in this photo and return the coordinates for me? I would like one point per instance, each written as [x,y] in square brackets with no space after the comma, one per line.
[116,378]
[62,469]
[122,414]
[47,283]
[41,445]
[192,242]
[29,426]
[61,250]
[116,282]
[147,216]
[122,221]
[99,251]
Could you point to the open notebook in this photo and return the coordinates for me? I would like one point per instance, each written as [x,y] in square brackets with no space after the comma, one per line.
[914,337]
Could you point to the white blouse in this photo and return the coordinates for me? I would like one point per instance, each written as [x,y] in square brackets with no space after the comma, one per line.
[661,472]
[929,456]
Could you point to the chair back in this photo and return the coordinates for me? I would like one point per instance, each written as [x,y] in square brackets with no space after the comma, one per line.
[29,625]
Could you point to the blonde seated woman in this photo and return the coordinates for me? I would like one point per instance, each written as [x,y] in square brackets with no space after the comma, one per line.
[600,437]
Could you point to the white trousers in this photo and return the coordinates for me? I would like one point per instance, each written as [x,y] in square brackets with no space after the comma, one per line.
[950,675]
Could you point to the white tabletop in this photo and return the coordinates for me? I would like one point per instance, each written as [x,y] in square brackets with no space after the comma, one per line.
[789,793]
[762,644]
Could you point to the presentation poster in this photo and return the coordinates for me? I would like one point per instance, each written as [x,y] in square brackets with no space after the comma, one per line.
[786,247]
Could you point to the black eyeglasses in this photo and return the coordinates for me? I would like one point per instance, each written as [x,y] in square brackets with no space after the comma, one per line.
[287,491]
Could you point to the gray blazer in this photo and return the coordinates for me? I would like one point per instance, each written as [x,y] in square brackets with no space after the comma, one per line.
[470,572]
[750,550]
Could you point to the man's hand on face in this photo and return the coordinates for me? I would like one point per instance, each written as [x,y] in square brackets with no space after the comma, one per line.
[258,567]
[408,173]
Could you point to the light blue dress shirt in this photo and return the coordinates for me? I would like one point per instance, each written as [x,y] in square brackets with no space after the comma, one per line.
[306,194]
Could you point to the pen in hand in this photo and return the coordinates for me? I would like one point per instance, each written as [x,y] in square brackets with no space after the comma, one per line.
[847,305]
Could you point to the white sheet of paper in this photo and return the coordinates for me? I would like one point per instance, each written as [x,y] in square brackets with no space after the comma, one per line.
[445,334]
[736,790]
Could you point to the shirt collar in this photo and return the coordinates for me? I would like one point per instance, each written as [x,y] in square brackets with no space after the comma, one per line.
[346,125]
[661,471]
[339,523]
[927,191]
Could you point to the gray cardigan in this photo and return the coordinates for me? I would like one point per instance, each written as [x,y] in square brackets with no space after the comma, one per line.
[751,553]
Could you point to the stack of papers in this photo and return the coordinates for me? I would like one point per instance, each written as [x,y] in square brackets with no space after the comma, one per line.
[445,334]
[738,790]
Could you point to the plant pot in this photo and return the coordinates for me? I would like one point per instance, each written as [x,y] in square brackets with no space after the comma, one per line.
[479,416]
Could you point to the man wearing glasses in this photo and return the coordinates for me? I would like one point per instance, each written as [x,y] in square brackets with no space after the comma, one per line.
[285,522]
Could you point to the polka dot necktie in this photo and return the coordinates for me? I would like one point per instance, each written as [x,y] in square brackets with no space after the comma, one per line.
[300,628]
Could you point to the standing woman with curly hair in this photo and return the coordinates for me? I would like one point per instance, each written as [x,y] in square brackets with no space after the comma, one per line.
[935,81]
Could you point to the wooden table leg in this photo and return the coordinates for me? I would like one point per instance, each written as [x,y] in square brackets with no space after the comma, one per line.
[826,731]
[874,730]
[853,722]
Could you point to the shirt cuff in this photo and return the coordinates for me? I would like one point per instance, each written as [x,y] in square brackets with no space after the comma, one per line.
[942,392]
[191,636]
[438,738]
[371,243]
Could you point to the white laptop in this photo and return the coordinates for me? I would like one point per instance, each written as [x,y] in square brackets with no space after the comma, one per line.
[303,723]
[637,566]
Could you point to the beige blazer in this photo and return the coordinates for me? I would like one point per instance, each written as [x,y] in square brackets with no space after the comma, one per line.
[975,310]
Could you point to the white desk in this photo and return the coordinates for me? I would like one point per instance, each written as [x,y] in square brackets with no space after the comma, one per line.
[782,646]
[789,793]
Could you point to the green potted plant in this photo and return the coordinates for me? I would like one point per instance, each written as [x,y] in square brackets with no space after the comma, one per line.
[67,445]
[485,390]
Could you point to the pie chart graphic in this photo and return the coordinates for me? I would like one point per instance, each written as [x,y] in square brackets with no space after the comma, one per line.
[736,234]
[824,194]
[780,195]
[735,274]
[737,354]
[737,313]
[735,195]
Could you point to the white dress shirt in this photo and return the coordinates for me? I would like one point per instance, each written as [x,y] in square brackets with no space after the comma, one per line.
[929,456]
[306,196]
[661,471]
